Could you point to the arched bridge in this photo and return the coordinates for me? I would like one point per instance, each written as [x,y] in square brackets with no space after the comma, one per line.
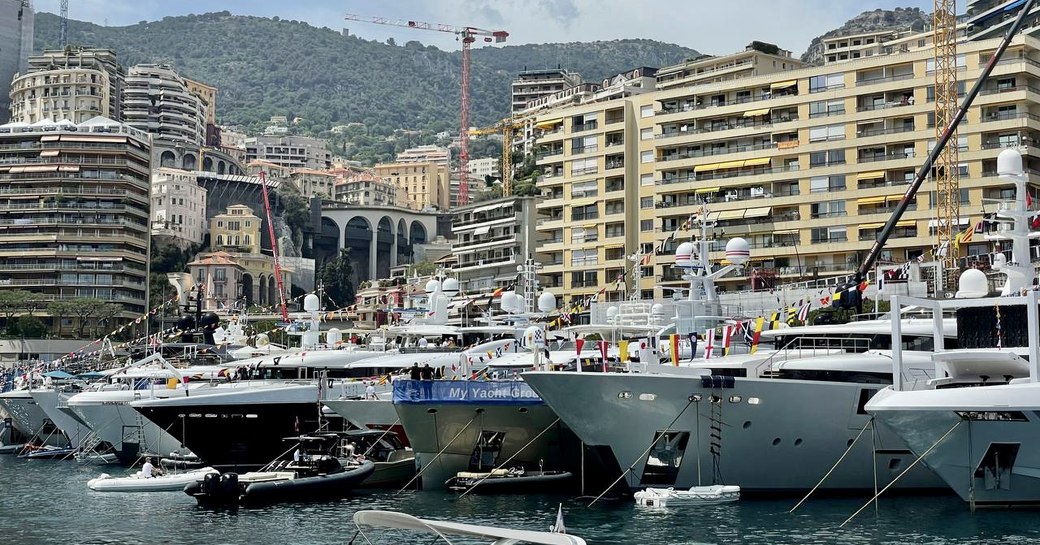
[379,237]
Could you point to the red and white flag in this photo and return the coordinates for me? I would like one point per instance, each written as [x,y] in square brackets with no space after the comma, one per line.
[709,343]
[727,332]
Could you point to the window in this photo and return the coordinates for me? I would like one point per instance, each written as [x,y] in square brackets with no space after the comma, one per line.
[646,203]
[828,157]
[584,257]
[646,134]
[828,209]
[823,83]
[929,64]
[962,143]
[646,225]
[646,157]
[823,184]
[584,279]
[585,189]
[829,234]
[646,111]
[826,107]
[646,179]
[827,132]
[584,166]
[589,212]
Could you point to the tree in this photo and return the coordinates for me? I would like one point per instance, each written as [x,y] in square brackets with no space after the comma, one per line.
[337,278]
[60,309]
[27,326]
[84,309]
[424,268]
[14,302]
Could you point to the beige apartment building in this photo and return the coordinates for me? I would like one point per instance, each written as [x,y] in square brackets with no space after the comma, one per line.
[807,164]
[419,184]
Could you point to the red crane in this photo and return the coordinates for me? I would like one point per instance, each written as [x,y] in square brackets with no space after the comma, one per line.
[274,249]
[469,35]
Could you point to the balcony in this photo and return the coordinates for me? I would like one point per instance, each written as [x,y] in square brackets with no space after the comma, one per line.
[884,79]
[864,133]
[581,127]
[873,158]
[882,106]
[717,151]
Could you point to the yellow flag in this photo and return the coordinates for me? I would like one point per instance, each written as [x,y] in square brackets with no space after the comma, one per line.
[623,348]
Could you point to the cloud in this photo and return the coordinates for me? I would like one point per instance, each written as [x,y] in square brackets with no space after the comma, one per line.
[563,11]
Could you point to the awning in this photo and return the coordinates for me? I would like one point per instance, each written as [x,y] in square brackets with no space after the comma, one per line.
[783,84]
[713,216]
[871,200]
[49,138]
[703,190]
[731,164]
[69,168]
[896,198]
[548,124]
[907,223]
[757,212]
[786,232]
[40,168]
[757,162]
[49,153]
[731,214]
[491,207]
[871,226]
[705,168]
[755,113]
[482,230]
[870,175]
[112,139]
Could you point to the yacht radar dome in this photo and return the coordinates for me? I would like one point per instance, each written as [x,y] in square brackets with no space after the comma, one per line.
[973,284]
[510,302]
[612,313]
[311,303]
[262,339]
[546,301]
[432,286]
[684,255]
[333,336]
[738,251]
[999,261]
[1009,163]
[450,286]
[657,309]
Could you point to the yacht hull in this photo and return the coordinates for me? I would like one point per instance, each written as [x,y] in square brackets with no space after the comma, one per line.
[453,435]
[51,402]
[29,419]
[115,422]
[771,435]
[992,455]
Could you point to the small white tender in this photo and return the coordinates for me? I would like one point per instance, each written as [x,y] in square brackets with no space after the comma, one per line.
[140,483]
[698,495]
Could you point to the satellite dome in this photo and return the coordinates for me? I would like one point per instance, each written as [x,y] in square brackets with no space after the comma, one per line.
[532,335]
[262,339]
[333,336]
[684,255]
[510,302]
[612,313]
[1009,162]
[999,261]
[432,286]
[738,251]
[311,303]
[450,286]
[209,319]
[546,301]
[973,284]
[657,309]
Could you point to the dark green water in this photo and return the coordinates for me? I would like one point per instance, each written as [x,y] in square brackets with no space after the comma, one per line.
[49,502]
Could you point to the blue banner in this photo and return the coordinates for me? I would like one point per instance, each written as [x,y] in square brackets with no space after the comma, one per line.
[483,392]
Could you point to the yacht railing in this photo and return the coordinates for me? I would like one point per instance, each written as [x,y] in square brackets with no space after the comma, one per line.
[809,347]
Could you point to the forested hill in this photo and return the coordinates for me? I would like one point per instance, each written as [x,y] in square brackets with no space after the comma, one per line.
[266,67]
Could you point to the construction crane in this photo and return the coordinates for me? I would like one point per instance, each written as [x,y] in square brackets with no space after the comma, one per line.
[941,142]
[63,36]
[468,35]
[274,248]
[506,126]
[945,170]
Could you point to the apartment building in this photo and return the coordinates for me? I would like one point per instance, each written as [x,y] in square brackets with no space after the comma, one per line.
[988,19]
[157,100]
[74,213]
[75,84]
[313,183]
[178,207]
[237,269]
[492,238]
[532,84]
[806,164]
[289,151]
[424,154]
[419,184]
[757,59]
[365,189]
[17,25]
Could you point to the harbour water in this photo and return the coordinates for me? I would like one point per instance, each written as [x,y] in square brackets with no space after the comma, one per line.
[48,502]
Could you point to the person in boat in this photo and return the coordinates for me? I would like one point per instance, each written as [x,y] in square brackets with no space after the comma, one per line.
[148,470]
[415,372]
[370,390]
[423,343]
[427,380]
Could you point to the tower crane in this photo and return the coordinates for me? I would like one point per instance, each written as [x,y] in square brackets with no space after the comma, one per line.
[63,37]
[945,169]
[506,126]
[468,35]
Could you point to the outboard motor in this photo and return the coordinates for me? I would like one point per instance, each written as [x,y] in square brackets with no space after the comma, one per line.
[211,484]
[229,487]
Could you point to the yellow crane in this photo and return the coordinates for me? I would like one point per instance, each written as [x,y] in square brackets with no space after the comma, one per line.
[945,168]
[506,127]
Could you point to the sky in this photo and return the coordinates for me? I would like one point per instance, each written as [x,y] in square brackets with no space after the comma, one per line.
[716,27]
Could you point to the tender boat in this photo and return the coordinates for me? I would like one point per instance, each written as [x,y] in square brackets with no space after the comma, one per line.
[495,535]
[46,452]
[312,474]
[698,495]
[140,483]
[515,480]
[394,462]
